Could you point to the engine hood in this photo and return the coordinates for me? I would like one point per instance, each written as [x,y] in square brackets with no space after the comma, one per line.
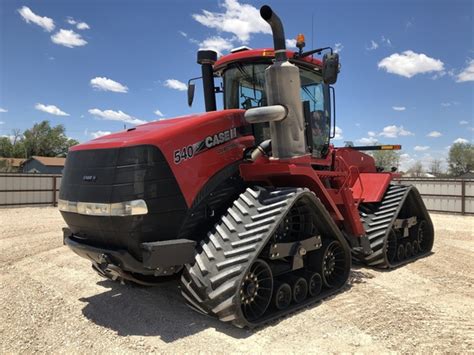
[163,130]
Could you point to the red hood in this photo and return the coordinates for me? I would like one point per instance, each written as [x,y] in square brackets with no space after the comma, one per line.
[159,131]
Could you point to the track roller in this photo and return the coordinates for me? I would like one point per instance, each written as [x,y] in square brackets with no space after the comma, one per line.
[401,252]
[408,250]
[282,295]
[315,284]
[299,289]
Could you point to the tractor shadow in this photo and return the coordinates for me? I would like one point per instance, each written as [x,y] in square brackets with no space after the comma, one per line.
[161,311]
[150,311]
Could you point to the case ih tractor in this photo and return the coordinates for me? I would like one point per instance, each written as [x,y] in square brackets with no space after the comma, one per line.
[252,206]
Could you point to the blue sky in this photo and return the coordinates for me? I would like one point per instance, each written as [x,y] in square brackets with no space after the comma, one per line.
[407,66]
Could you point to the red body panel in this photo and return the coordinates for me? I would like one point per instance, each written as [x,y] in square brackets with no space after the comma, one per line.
[174,134]
[372,186]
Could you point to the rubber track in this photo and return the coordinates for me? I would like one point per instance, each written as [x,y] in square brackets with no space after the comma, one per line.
[378,223]
[210,285]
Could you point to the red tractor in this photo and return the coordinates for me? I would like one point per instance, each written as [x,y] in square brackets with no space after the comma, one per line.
[252,206]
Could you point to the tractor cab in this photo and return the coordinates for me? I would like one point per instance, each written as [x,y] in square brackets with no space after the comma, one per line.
[243,87]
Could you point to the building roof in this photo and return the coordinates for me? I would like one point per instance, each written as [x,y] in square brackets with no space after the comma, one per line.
[50,161]
[13,162]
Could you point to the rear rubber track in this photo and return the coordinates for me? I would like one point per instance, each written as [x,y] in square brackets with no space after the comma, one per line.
[378,221]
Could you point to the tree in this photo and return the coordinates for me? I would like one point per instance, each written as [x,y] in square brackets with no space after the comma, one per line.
[41,139]
[386,159]
[461,158]
[416,170]
[6,147]
[435,167]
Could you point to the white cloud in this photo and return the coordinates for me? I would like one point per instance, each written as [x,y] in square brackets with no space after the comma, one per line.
[367,141]
[98,134]
[68,38]
[338,135]
[394,131]
[371,133]
[71,21]
[409,63]
[290,43]
[184,34]
[467,74]
[373,45]
[158,113]
[115,116]
[450,103]
[176,85]
[106,84]
[461,140]
[386,41]
[421,148]
[399,108]
[1,122]
[338,47]
[463,122]
[2,110]
[29,16]
[434,134]
[216,43]
[51,109]
[82,26]
[242,20]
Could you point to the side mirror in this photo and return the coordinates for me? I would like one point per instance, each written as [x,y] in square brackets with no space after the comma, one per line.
[191,88]
[330,68]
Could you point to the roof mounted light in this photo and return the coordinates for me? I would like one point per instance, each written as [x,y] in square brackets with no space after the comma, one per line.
[240,49]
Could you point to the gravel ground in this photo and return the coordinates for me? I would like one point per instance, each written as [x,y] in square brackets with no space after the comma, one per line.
[51,301]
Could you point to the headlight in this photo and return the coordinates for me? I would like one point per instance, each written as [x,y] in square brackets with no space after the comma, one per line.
[128,208]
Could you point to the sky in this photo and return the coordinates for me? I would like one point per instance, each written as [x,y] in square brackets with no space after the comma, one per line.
[407,67]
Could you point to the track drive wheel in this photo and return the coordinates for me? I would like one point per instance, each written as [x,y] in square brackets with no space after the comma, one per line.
[333,264]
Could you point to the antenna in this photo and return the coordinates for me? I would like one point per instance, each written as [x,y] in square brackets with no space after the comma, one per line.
[312,32]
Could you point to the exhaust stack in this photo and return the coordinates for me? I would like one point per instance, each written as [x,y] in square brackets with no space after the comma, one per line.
[282,84]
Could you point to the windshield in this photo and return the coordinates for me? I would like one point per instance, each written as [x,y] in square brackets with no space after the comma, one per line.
[244,88]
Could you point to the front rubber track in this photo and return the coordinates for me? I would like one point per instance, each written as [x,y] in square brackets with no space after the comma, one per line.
[211,284]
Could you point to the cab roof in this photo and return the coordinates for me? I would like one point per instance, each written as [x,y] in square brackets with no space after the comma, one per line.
[263,53]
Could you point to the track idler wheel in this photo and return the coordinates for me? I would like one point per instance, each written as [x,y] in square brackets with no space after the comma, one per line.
[408,250]
[282,295]
[315,284]
[333,264]
[256,290]
[401,252]
[422,236]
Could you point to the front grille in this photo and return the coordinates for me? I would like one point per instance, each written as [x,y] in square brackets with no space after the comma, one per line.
[117,175]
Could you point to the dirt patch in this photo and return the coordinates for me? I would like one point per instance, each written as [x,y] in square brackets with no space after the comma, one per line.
[51,301]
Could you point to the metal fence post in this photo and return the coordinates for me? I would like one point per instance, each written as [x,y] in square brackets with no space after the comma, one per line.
[54,191]
[463,197]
